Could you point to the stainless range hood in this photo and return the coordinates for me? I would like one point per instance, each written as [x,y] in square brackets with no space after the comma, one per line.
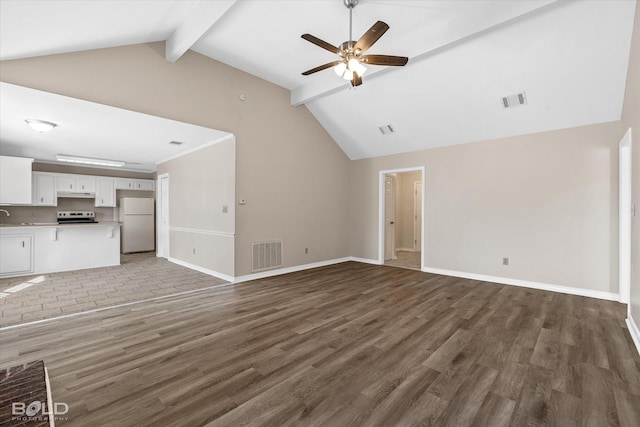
[70,195]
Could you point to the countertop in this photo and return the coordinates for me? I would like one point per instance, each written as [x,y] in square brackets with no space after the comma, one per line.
[56,225]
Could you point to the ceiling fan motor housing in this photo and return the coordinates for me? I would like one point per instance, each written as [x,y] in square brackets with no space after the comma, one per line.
[350,4]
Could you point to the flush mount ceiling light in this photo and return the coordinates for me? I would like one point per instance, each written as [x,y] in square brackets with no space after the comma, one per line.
[351,53]
[89,160]
[40,125]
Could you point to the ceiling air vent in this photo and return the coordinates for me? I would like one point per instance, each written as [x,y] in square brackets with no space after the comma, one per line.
[176,142]
[386,130]
[514,100]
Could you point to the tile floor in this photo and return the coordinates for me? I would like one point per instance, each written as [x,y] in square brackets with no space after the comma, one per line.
[139,277]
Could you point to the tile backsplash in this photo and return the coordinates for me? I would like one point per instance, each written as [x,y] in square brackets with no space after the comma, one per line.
[20,214]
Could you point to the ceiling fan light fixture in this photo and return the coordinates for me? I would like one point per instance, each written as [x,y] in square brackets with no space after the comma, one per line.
[357,67]
[348,75]
[40,125]
[340,69]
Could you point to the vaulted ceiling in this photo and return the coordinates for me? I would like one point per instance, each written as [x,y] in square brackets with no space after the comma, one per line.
[569,58]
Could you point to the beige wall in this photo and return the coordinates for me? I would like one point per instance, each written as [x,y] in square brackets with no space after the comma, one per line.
[547,201]
[292,174]
[405,208]
[631,119]
[201,183]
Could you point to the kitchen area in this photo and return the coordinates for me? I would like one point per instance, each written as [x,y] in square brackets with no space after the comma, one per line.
[59,218]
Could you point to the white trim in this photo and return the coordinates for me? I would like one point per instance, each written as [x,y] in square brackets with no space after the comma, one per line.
[624,219]
[406,249]
[47,385]
[193,150]
[634,331]
[159,201]
[365,260]
[199,231]
[526,284]
[279,271]
[213,273]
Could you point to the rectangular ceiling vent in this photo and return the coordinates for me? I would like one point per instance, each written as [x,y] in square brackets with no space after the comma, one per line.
[514,100]
[266,255]
[176,142]
[386,130]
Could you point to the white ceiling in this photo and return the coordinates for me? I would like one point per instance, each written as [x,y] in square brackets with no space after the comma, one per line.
[569,57]
[87,129]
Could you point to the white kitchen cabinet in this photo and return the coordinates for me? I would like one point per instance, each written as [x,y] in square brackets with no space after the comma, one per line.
[124,184]
[15,181]
[144,184]
[105,192]
[44,191]
[16,254]
[135,184]
[66,183]
[86,184]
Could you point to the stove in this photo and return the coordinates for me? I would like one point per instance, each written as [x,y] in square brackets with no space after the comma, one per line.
[76,217]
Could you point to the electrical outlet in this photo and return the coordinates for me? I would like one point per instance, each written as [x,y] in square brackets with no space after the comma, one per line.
[505,261]
[225,209]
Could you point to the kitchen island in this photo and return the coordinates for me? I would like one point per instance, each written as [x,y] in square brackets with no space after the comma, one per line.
[38,248]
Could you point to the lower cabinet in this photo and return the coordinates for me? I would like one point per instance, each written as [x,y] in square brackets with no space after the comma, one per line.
[16,254]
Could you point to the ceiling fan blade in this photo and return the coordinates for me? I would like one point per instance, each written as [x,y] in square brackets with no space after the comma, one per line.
[356,80]
[398,61]
[371,36]
[323,44]
[321,67]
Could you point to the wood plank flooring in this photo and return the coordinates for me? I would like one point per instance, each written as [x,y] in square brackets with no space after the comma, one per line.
[344,345]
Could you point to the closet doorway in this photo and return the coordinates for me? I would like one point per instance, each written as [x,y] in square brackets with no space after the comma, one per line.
[401,207]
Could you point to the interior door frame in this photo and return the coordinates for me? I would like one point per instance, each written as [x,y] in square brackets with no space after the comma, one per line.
[162,248]
[417,234]
[624,221]
[381,218]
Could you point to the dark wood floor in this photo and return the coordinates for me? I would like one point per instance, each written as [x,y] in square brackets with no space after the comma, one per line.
[350,344]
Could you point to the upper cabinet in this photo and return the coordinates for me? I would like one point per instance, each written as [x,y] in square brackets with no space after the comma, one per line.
[44,189]
[15,181]
[105,193]
[75,183]
[135,184]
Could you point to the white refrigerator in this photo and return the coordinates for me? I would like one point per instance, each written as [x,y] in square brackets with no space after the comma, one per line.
[137,220]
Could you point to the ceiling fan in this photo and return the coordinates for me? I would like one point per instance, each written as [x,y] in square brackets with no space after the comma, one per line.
[351,53]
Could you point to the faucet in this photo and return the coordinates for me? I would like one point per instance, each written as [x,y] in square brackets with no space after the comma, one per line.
[5,211]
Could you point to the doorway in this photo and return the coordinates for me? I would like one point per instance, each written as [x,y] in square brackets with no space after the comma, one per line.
[401,242]
[163,216]
[625,212]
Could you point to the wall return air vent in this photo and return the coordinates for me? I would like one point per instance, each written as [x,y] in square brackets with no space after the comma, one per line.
[266,255]
[514,100]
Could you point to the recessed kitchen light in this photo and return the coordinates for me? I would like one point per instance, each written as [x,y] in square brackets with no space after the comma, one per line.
[40,125]
[89,160]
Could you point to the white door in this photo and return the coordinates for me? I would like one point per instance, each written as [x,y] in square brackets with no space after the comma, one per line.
[417,216]
[163,216]
[389,217]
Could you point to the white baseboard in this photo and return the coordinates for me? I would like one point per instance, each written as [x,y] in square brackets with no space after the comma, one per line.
[406,249]
[526,284]
[202,269]
[634,331]
[365,260]
[279,271]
